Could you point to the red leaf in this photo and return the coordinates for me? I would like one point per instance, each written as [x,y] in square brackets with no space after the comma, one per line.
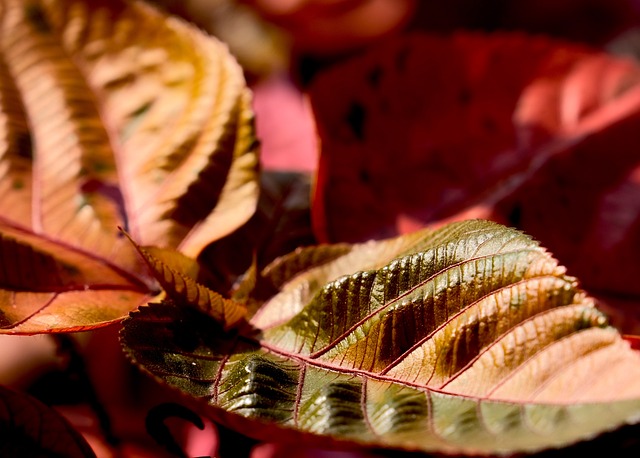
[285,127]
[528,131]
[30,428]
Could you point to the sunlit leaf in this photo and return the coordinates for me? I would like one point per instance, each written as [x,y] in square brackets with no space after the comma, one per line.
[467,339]
[30,428]
[112,114]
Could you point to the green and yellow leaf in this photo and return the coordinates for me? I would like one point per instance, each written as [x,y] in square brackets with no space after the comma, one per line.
[467,339]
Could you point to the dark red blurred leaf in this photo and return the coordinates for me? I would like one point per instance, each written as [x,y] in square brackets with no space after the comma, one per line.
[29,428]
[584,203]
[586,21]
[422,125]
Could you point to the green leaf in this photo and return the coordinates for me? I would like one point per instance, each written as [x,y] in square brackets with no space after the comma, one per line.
[468,339]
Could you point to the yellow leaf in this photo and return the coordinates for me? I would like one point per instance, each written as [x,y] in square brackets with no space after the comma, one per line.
[112,114]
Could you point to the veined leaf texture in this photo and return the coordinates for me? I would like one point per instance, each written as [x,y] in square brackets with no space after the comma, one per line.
[112,115]
[469,338]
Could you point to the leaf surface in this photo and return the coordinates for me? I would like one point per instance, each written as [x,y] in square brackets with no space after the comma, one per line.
[112,115]
[469,338]
[177,275]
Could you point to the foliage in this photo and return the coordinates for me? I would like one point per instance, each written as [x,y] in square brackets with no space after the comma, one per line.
[455,275]
[113,115]
[467,339]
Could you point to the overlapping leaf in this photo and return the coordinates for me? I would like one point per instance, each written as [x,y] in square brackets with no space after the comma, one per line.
[176,275]
[111,115]
[465,339]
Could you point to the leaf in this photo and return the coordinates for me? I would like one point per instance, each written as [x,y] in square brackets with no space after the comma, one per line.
[319,28]
[177,274]
[281,223]
[595,210]
[527,131]
[113,115]
[467,339]
[30,428]
[456,109]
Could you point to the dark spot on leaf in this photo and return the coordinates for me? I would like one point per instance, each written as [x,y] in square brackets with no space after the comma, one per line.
[100,166]
[401,59]
[364,176]
[24,145]
[464,96]
[36,15]
[135,118]
[141,110]
[374,76]
[489,125]
[70,270]
[120,81]
[356,117]
[4,321]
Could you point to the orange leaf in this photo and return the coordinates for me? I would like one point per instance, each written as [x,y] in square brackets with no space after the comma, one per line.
[112,114]
[178,276]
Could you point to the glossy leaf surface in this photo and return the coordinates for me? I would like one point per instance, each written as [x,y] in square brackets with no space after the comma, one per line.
[465,339]
[112,115]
